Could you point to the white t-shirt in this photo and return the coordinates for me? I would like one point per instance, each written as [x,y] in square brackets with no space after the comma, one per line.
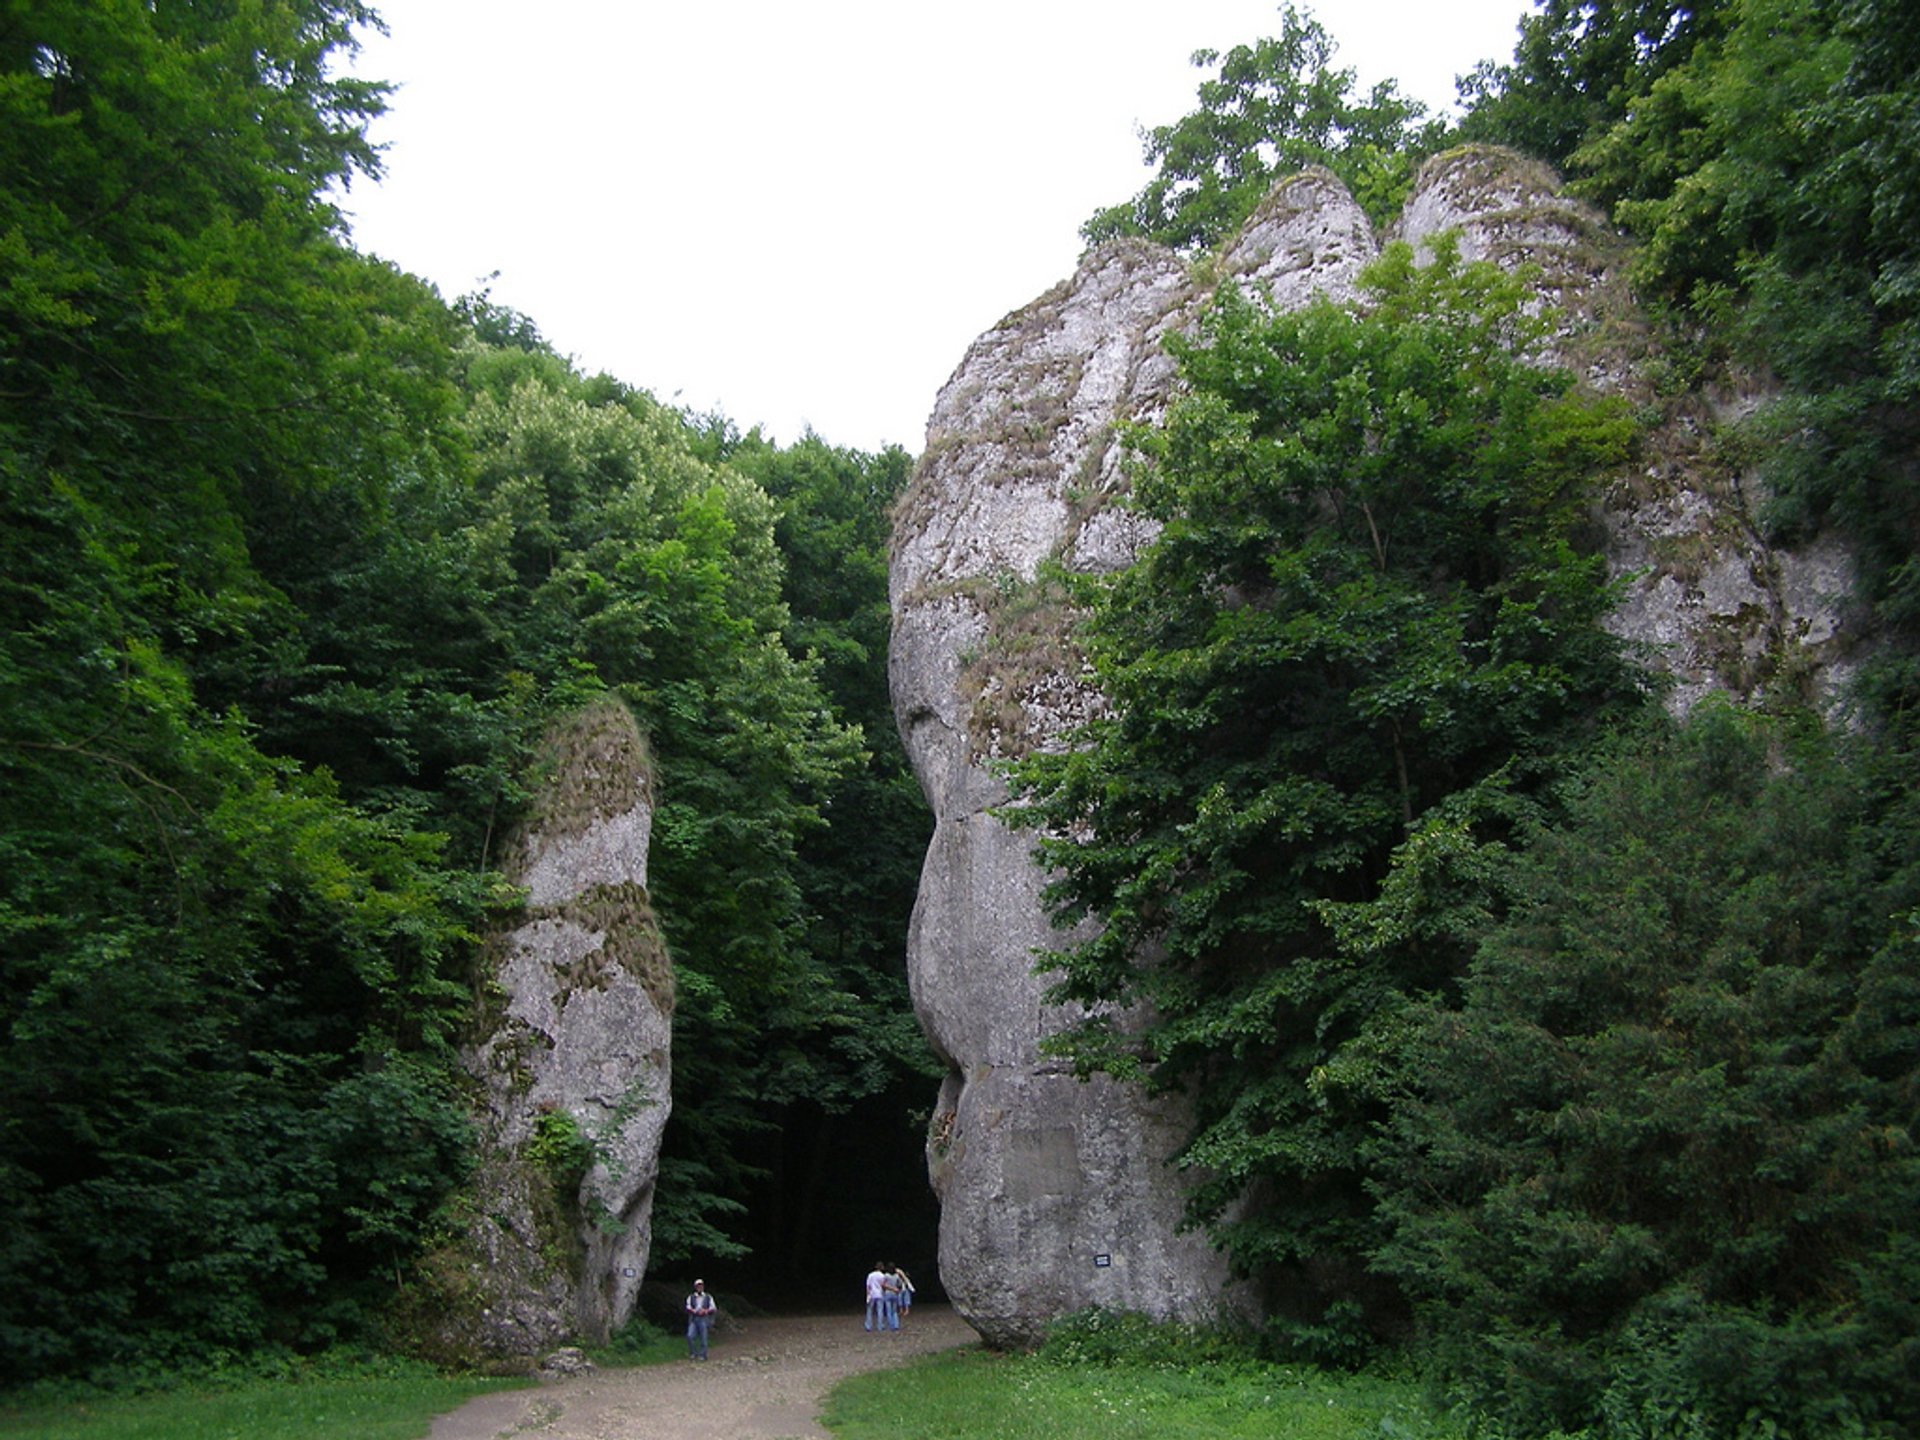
[876,1285]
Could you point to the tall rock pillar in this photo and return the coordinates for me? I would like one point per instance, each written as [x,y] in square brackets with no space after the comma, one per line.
[1055,1193]
[572,1063]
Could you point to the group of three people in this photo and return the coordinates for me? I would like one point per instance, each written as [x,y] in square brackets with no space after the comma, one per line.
[889,1296]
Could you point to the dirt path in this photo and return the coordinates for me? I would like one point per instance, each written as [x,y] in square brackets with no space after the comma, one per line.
[766,1381]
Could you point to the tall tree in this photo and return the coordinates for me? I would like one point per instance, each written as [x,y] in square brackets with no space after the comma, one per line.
[225,999]
[847,1104]
[179,314]
[1579,66]
[1275,107]
[1652,1173]
[610,550]
[295,562]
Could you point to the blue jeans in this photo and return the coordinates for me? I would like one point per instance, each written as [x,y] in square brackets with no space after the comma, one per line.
[697,1328]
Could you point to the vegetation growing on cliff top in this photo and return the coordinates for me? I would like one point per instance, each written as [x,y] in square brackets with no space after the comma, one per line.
[1275,107]
[1765,153]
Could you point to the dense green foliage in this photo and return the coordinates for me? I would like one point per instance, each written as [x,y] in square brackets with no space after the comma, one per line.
[606,551]
[227,988]
[1765,151]
[1274,108]
[1579,66]
[857,876]
[1589,1063]
[296,562]
[784,1062]
[1677,1183]
[1364,626]
[1655,1168]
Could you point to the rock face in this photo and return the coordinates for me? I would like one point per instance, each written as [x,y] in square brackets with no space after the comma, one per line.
[574,1067]
[1055,1193]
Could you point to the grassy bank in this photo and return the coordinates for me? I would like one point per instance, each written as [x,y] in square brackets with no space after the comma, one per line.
[389,1405]
[351,1400]
[979,1395]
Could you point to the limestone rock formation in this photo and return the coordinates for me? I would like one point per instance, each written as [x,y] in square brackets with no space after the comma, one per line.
[1054,1192]
[574,1067]
[1707,599]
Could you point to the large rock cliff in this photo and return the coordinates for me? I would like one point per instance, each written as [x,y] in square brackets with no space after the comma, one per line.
[1055,1193]
[572,1065]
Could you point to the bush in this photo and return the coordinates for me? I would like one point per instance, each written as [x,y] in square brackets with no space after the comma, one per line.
[1685,1367]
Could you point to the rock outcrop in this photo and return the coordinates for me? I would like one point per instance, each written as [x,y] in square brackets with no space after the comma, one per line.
[573,1066]
[1055,1193]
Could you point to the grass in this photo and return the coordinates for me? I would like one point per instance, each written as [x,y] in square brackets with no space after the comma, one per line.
[380,1406]
[381,1400]
[978,1395]
[1106,1381]
[642,1343]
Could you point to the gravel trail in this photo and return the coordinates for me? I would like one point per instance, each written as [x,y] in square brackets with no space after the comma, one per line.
[766,1381]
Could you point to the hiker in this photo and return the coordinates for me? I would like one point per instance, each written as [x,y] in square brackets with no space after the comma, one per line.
[700,1308]
[877,1297]
[903,1299]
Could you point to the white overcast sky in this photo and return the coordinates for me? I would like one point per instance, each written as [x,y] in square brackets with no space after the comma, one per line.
[802,213]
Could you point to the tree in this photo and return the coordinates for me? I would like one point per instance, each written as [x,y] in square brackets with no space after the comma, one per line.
[1364,621]
[179,314]
[1764,151]
[1652,1173]
[616,554]
[846,1101]
[225,997]
[860,870]
[296,562]
[1579,67]
[226,1013]
[1274,108]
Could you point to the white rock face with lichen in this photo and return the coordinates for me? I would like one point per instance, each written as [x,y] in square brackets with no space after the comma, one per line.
[1708,601]
[580,1045]
[1056,1193]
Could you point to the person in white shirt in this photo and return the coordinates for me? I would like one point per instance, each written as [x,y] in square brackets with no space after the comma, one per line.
[700,1308]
